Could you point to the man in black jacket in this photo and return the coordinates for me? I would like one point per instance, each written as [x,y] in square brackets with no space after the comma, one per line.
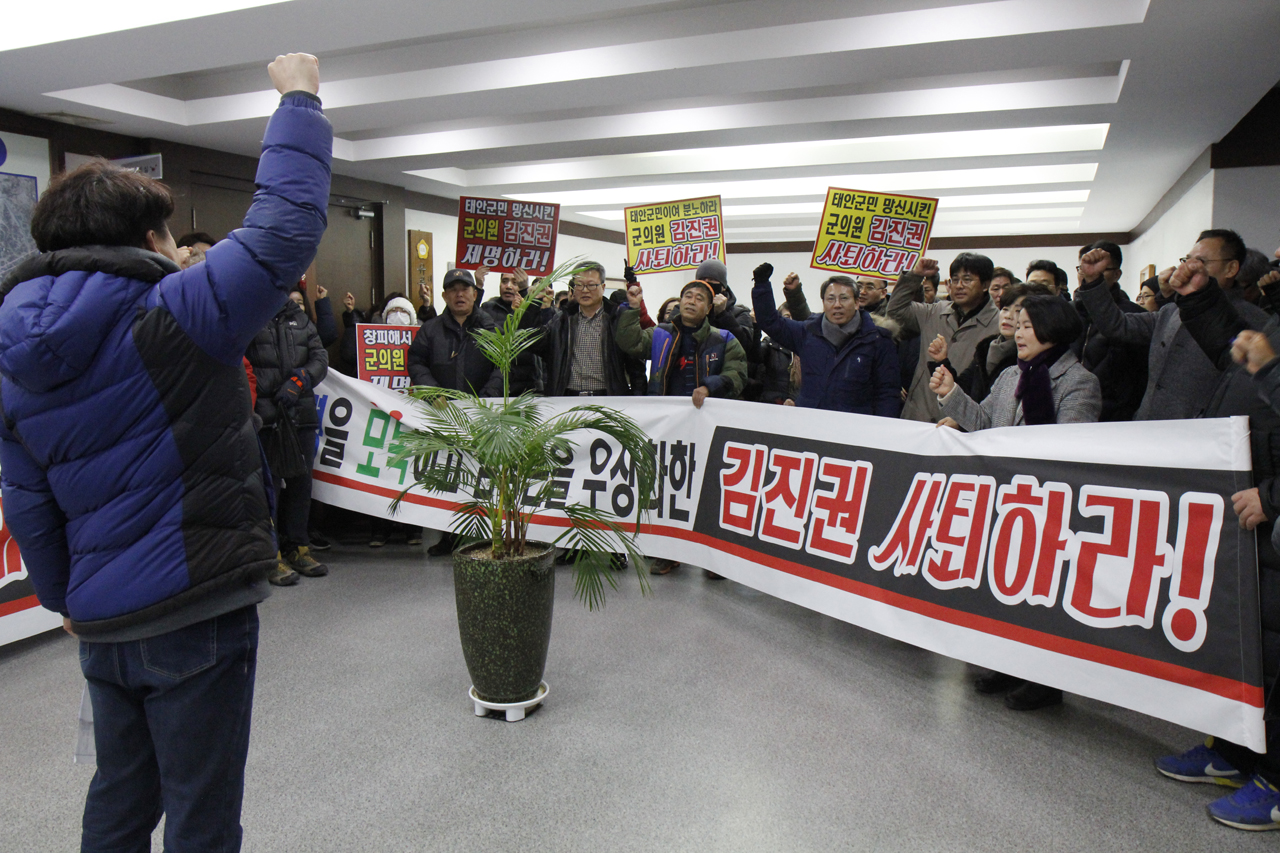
[444,352]
[578,346]
[1212,320]
[1121,367]
[444,355]
[513,289]
[288,361]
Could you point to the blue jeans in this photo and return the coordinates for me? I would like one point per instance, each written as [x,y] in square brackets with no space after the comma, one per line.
[171,725]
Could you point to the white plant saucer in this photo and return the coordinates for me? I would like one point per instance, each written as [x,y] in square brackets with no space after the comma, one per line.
[515,711]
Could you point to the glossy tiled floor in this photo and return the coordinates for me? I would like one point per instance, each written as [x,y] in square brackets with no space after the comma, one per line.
[703,717]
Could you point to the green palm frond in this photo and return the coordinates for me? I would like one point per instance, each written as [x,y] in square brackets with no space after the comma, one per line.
[492,454]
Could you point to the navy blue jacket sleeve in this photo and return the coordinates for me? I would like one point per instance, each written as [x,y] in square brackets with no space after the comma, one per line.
[223,302]
[888,391]
[326,325]
[789,333]
[33,517]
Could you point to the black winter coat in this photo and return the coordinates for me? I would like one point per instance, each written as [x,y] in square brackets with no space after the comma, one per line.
[1213,321]
[555,347]
[1121,368]
[526,373]
[290,341]
[444,355]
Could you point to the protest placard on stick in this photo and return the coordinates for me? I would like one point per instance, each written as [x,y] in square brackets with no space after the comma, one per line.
[875,235]
[674,235]
[382,353]
[505,235]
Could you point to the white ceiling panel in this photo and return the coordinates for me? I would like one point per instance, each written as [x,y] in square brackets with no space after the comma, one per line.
[1023,116]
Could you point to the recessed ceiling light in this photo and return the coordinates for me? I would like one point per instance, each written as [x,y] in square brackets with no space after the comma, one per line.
[817,186]
[997,215]
[29,24]
[1005,141]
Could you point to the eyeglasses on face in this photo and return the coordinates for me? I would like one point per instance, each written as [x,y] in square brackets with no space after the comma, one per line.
[586,286]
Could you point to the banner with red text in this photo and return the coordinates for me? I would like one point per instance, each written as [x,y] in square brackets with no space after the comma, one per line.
[21,615]
[874,235]
[1103,559]
[674,235]
[506,235]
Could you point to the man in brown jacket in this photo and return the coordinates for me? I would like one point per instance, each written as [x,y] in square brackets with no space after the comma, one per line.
[969,317]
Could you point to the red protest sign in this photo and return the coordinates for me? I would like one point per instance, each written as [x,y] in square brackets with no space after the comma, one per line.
[506,235]
[382,353]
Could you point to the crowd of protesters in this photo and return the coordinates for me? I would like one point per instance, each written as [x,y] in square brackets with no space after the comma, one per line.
[181,556]
[981,348]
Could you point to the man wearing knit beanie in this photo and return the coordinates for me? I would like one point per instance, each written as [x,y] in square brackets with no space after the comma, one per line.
[726,313]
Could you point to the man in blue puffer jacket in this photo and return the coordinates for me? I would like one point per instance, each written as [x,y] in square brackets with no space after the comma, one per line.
[847,362]
[132,478]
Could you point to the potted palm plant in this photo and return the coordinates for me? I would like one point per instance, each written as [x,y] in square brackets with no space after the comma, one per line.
[511,447]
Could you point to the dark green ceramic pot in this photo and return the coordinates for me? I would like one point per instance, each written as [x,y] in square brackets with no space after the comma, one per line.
[504,617]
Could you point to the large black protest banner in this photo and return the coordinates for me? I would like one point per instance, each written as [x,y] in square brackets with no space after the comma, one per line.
[1100,558]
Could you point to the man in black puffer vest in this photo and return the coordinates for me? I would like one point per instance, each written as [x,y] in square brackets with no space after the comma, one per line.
[288,361]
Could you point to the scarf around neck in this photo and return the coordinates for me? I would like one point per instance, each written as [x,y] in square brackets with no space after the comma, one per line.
[1035,390]
[839,335]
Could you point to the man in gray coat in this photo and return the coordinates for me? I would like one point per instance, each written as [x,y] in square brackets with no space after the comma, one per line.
[969,317]
[1180,378]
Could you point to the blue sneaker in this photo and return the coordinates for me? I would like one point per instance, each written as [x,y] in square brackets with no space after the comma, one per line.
[1200,764]
[1256,806]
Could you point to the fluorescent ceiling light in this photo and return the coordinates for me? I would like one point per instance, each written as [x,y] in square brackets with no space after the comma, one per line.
[945,202]
[29,24]
[817,186]
[995,97]
[1004,199]
[1020,227]
[807,229]
[972,22]
[916,146]
[997,215]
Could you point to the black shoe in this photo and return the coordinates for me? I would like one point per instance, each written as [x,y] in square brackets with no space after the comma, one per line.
[996,682]
[443,548]
[618,562]
[565,558]
[1032,697]
[318,542]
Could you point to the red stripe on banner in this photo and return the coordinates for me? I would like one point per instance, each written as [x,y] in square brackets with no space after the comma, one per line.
[18,605]
[1228,688]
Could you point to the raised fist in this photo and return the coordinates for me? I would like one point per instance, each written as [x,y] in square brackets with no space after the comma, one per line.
[763,273]
[295,72]
[925,267]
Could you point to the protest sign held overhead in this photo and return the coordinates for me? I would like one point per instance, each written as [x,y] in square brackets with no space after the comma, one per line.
[382,353]
[674,235]
[506,235]
[876,235]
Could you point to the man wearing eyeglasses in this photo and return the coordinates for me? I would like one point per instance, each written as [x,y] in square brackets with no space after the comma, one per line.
[967,318]
[579,349]
[1180,378]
